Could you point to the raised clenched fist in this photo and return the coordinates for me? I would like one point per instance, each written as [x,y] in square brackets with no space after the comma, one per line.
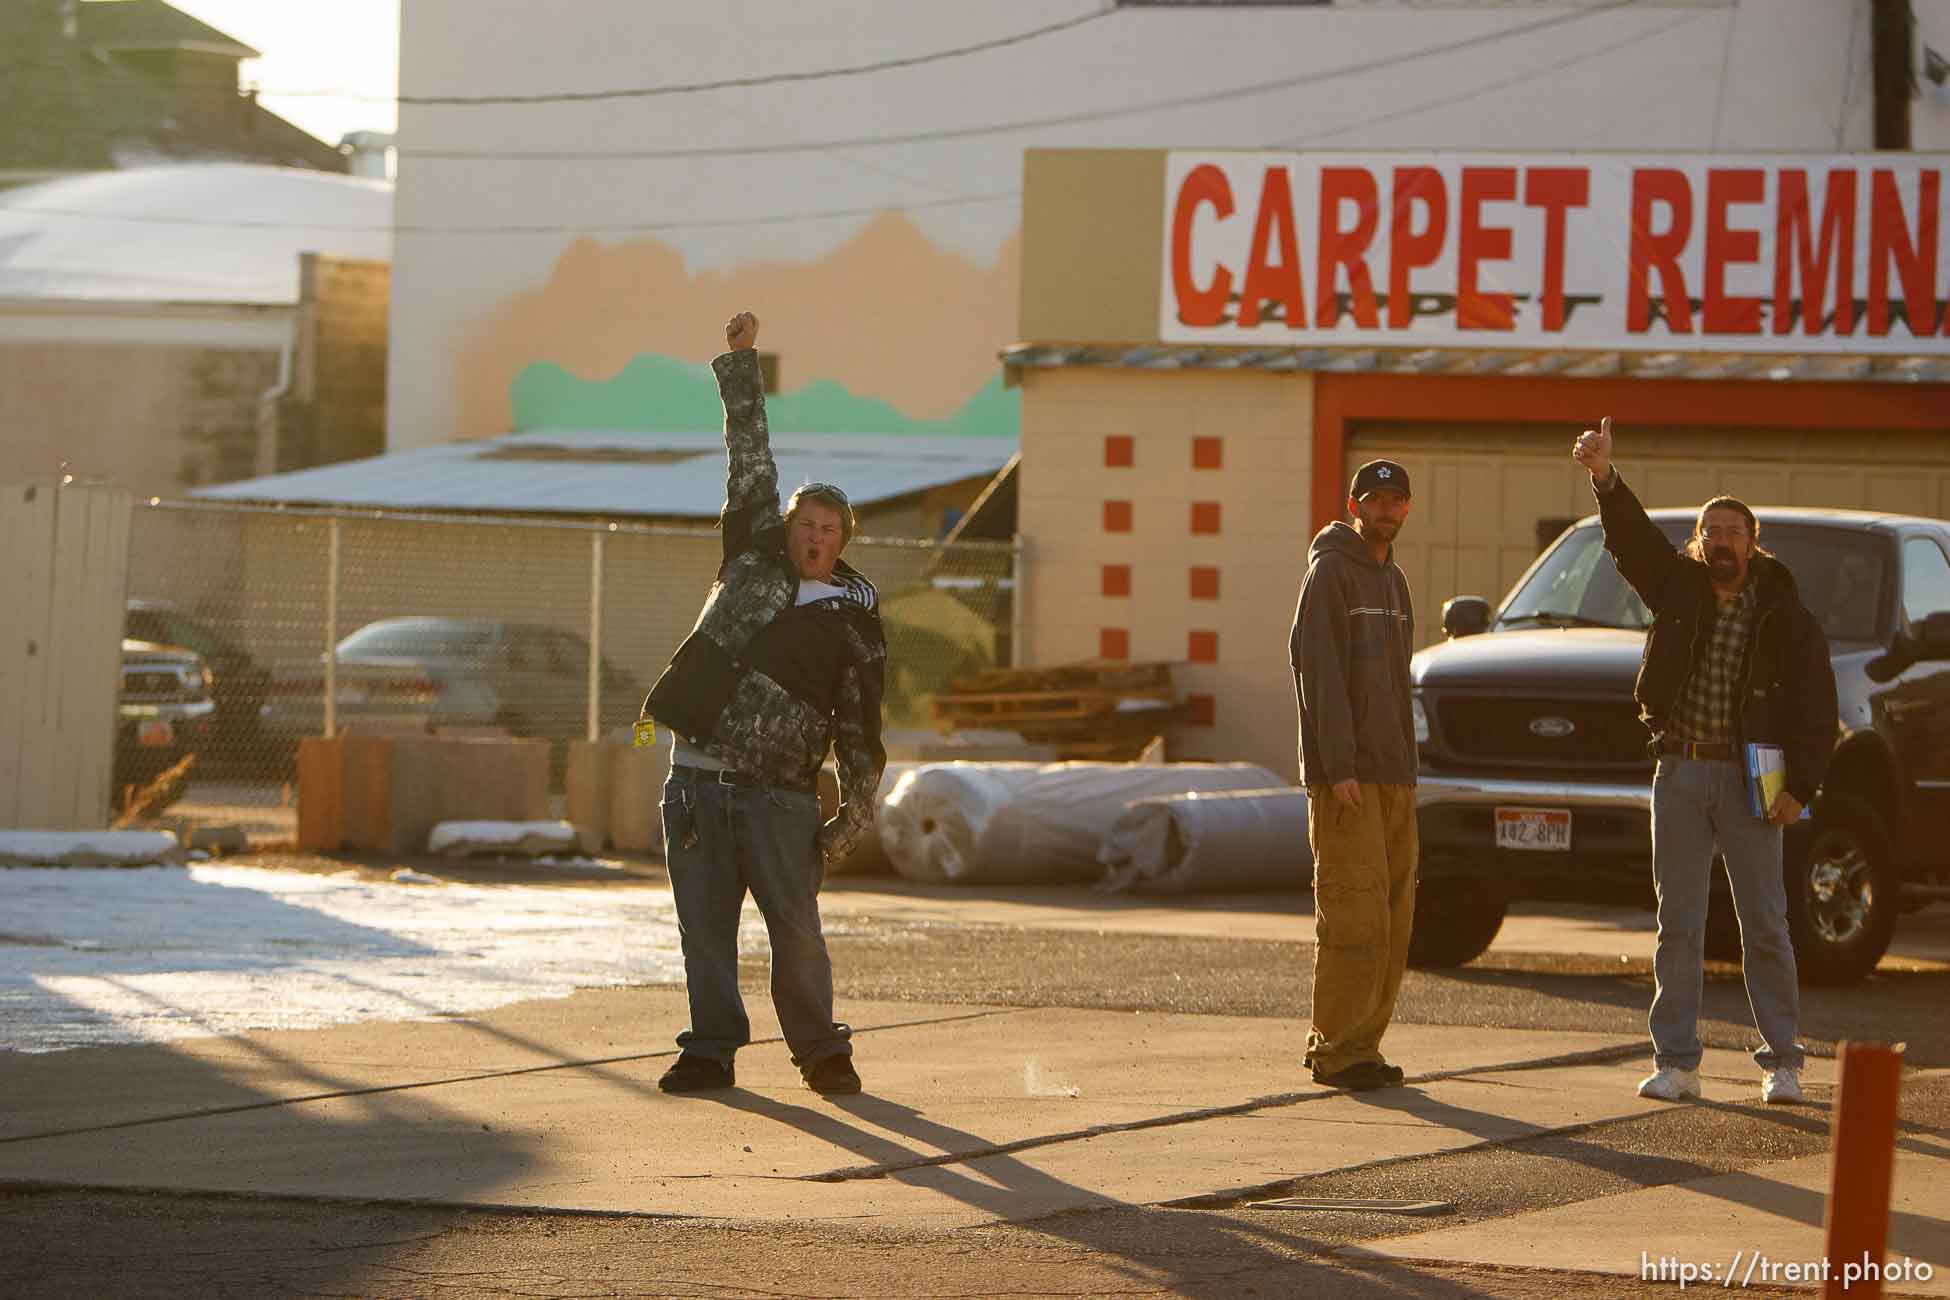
[1593,450]
[741,331]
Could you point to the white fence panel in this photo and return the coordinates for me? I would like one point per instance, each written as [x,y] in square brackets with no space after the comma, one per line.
[63,588]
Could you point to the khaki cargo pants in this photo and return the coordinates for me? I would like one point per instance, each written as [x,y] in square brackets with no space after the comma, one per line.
[1364,907]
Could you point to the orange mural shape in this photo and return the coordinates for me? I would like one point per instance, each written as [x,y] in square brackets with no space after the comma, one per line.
[889,314]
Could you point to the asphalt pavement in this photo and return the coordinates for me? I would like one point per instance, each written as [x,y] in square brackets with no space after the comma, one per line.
[1117,1122]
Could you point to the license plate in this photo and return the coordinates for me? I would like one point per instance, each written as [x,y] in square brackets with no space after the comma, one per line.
[1545,829]
[154,733]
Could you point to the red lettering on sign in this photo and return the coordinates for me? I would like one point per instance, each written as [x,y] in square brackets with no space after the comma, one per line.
[1277,281]
[1408,248]
[1346,248]
[1658,253]
[1721,313]
[1477,243]
[1796,257]
[1203,184]
[1556,190]
[1915,261]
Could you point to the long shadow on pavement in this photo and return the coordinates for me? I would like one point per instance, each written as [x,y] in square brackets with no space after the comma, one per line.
[1206,1252]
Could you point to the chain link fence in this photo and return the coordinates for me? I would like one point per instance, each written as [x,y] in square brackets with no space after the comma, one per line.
[278,623]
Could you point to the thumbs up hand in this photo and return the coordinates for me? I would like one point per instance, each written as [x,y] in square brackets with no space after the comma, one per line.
[1593,450]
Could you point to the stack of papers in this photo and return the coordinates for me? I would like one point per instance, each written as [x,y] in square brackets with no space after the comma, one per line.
[1767,777]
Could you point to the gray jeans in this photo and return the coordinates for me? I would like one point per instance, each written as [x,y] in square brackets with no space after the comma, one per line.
[719,842]
[1699,805]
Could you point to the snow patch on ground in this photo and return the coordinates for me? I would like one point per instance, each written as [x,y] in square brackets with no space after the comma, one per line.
[153,954]
[525,837]
[129,848]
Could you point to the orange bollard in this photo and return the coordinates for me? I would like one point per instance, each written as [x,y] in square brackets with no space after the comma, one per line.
[1871,1082]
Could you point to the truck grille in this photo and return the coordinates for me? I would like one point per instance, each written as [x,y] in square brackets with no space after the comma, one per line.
[154,684]
[1505,730]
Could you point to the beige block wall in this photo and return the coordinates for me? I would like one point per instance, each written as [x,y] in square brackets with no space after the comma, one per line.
[1093,223]
[1264,422]
[153,418]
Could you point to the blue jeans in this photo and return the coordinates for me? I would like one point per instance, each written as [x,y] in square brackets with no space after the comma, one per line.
[1699,805]
[719,842]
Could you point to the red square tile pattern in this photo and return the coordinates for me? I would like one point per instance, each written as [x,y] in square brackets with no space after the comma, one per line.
[1117,516]
[1117,579]
[1202,647]
[1208,453]
[1120,451]
[1205,517]
[1205,582]
[1114,643]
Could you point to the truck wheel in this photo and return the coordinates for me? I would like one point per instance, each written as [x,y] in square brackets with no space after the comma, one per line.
[1842,892]
[1455,921]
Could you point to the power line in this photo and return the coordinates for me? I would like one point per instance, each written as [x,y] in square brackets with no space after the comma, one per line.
[956,200]
[715,223]
[1726,66]
[1528,74]
[700,87]
[1024,124]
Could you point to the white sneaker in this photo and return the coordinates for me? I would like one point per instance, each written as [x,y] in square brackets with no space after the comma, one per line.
[1670,1083]
[1781,1087]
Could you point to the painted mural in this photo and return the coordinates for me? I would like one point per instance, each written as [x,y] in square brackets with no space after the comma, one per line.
[889,332]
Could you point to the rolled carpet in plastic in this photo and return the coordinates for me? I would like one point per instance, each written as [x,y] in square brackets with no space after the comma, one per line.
[1225,841]
[1028,822]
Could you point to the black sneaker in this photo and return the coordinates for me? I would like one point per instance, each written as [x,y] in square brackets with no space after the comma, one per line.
[832,1076]
[697,1074]
[1362,1076]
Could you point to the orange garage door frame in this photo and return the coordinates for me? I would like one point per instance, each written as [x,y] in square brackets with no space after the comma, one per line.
[1342,401]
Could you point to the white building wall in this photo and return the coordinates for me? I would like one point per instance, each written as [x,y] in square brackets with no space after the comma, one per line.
[618,259]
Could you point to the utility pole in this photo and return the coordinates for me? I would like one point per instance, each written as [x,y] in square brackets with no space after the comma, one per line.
[1893,60]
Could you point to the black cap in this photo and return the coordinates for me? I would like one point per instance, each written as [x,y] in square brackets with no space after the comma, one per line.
[1378,474]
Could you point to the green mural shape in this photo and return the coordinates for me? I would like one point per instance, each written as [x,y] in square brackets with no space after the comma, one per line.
[659,394]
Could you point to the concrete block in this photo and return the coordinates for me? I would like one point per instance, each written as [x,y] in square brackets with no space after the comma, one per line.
[636,797]
[439,778]
[366,784]
[586,783]
[395,789]
[321,795]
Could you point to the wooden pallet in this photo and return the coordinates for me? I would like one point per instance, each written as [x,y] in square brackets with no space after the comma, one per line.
[1010,708]
[1094,674]
[1081,708]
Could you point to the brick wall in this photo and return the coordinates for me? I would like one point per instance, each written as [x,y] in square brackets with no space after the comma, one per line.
[336,407]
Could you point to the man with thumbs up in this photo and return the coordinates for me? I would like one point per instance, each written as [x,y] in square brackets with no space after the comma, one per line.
[1733,658]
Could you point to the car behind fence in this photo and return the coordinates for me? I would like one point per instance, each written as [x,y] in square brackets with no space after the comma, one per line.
[315,621]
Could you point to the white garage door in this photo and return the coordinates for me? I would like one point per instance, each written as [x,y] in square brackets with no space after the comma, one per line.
[1487,499]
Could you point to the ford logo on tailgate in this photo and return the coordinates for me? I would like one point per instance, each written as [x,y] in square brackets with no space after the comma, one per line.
[1552,728]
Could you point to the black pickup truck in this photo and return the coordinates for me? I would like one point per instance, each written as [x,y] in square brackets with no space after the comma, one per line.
[1536,782]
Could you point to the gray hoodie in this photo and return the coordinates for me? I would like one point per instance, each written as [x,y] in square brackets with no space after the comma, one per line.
[1350,648]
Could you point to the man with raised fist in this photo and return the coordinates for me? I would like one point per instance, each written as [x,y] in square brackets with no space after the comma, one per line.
[787,660]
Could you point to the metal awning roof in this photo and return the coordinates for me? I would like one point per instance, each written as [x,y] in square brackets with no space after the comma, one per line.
[1513,362]
[622,474]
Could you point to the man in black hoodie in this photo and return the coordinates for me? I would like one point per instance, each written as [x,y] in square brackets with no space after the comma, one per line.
[1733,659]
[1350,646]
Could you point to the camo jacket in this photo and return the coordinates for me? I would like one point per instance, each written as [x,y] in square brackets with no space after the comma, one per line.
[762,684]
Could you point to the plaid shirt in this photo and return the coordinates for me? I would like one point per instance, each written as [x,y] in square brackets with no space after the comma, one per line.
[1705,707]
